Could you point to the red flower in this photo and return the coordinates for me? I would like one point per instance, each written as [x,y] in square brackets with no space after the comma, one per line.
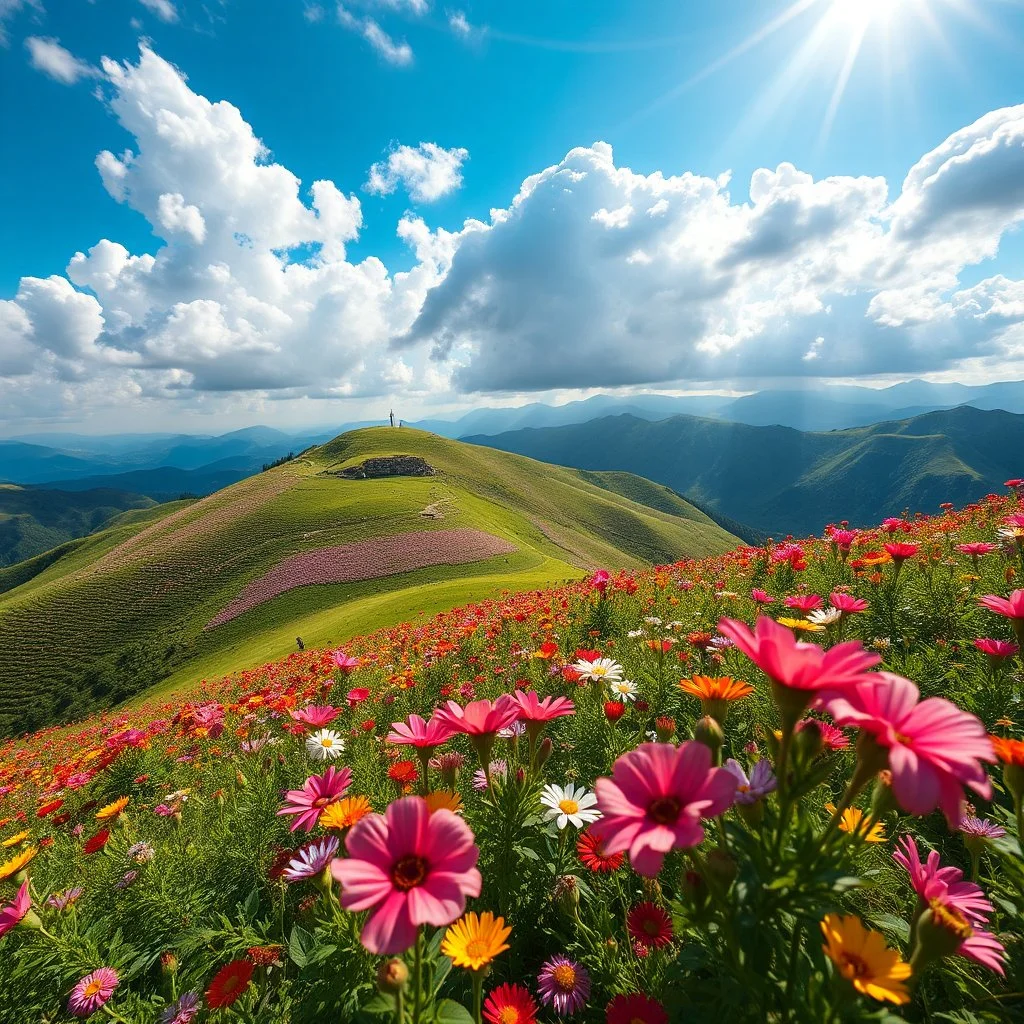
[53,805]
[229,983]
[635,1009]
[650,925]
[901,551]
[403,772]
[592,855]
[510,1004]
[614,710]
[97,842]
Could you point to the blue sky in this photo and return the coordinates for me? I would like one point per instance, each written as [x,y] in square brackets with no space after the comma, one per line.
[331,91]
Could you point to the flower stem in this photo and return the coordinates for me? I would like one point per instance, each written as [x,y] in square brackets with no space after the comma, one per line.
[417,978]
[478,993]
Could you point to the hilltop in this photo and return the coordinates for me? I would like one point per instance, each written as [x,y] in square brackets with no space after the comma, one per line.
[781,481]
[189,589]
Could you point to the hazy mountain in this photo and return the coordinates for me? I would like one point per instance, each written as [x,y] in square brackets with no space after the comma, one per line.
[780,480]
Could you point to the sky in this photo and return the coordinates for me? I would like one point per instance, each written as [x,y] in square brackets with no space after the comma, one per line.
[217,213]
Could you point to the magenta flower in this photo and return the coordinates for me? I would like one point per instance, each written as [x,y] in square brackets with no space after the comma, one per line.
[954,902]
[316,716]
[761,596]
[409,867]
[934,748]
[981,828]
[848,604]
[563,984]
[480,717]
[1012,607]
[311,859]
[424,735]
[796,665]
[803,602]
[977,548]
[535,713]
[655,799]
[317,792]
[345,662]
[12,914]
[92,992]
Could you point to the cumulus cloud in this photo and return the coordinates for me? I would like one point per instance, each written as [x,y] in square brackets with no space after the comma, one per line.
[591,276]
[427,172]
[399,54]
[48,56]
[459,24]
[163,9]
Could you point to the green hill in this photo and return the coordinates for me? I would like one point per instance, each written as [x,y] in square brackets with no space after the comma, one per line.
[132,605]
[35,519]
[781,481]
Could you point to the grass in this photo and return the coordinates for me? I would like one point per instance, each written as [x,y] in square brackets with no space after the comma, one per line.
[156,577]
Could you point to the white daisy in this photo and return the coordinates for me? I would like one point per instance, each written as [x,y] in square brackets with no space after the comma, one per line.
[324,745]
[652,620]
[569,805]
[603,670]
[824,616]
[623,690]
[635,634]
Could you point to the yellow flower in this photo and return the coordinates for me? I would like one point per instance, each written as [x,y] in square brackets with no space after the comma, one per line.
[345,813]
[444,799]
[474,941]
[18,837]
[854,820]
[862,957]
[802,625]
[20,860]
[112,810]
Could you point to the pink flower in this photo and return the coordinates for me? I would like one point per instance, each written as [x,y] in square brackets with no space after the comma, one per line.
[901,551]
[891,525]
[92,992]
[977,548]
[831,737]
[424,735]
[599,581]
[803,602]
[655,799]
[356,696]
[345,662]
[848,604]
[798,665]
[761,596]
[944,887]
[14,912]
[317,792]
[480,717]
[1012,607]
[410,867]
[996,648]
[843,538]
[316,716]
[534,712]
[933,747]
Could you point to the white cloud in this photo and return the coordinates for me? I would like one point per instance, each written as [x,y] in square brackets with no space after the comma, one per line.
[9,9]
[399,54]
[163,9]
[459,23]
[48,56]
[427,172]
[593,276]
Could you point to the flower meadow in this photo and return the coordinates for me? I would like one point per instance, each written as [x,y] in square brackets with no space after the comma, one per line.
[784,784]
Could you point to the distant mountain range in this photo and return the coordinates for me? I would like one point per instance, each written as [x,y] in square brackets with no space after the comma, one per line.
[778,480]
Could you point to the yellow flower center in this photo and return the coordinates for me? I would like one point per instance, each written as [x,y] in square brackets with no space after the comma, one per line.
[326,741]
[509,1015]
[599,670]
[564,976]
[91,989]
[568,806]
[477,949]
[952,920]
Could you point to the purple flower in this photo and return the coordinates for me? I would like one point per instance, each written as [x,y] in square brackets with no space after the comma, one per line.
[981,828]
[63,900]
[311,859]
[762,780]
[499,769]
[563,984]
[126,879]
[184,1011]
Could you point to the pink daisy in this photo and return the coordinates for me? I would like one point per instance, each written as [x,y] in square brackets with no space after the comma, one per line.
[848,604]
[12,914]
[316,716]
[92,992]
[409,867]
[934,748]
[317,792]
[535,713]
[424,735]
[655,800]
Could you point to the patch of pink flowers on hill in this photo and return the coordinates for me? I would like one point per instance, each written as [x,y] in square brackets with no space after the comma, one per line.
[365,560]
[934,748]
[655,800]
[409,867]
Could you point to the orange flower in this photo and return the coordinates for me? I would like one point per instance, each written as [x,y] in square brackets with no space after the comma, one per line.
[112,810]
[444,800]
[716,693]
[20,860]
[1009,751]
[345,813]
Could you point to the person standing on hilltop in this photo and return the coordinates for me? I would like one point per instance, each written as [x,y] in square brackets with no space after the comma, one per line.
[392,414]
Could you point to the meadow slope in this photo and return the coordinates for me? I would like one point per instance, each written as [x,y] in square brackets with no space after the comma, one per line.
[127,607]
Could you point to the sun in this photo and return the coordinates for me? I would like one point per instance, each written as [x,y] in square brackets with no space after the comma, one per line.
[864,12]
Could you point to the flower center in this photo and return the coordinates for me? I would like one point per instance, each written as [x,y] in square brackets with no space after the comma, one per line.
[476,948]
[564,976]
[409,872]
[664,810]
[568,806]
[951,919]
[509,1015]
[92,989]
[599,670]
[321,801]
[852,965]
[326,741]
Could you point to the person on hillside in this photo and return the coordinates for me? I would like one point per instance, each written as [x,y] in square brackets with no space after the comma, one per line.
[298,640]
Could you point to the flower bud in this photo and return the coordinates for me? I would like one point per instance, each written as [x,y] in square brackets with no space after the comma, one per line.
[392,976]
[544,749]
[664,728]
[882,800]
[168,962]
[613,710]
[709,732]
[566,895]
[807,741]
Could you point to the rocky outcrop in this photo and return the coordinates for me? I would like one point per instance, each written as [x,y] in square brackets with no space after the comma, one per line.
[388,465]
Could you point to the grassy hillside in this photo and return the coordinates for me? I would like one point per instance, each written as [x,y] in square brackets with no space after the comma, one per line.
[779,480]
[127,607]
[33,519]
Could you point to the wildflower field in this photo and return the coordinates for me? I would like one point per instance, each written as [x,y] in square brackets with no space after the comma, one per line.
[784,784]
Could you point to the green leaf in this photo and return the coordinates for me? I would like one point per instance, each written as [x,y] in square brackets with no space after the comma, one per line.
[300,944]
[441,971]
[251,906]
[380,1005]
[450,1012]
